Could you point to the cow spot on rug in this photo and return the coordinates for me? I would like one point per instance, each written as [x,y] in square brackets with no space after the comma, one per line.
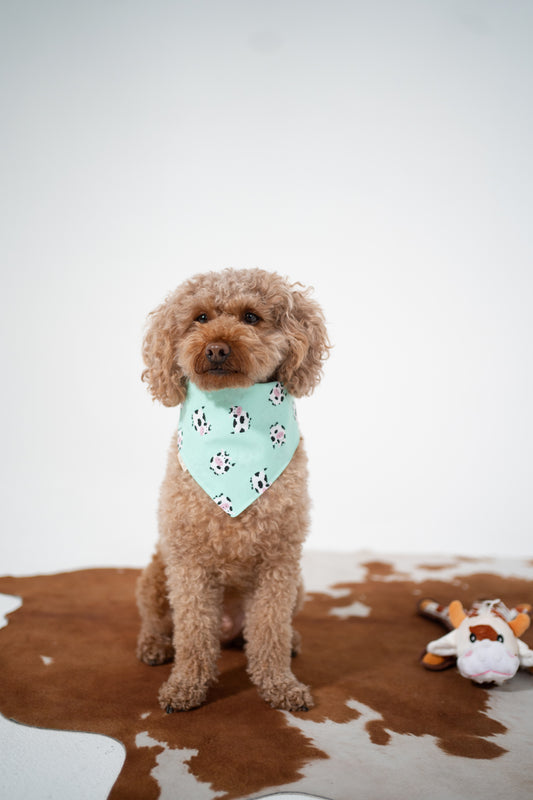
[86,624]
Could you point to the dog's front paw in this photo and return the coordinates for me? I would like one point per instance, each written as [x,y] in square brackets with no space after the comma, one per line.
[153,650]
[178,696]
[289,697]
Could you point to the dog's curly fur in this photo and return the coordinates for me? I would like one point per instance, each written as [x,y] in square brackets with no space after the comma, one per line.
[214,577]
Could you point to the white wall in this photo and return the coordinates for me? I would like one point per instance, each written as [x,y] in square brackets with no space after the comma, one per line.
[379,151]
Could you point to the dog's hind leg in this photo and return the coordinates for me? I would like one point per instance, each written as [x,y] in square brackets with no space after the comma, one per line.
[296,641]
[154,644]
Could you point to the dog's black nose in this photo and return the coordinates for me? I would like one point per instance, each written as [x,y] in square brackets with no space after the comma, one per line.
[217,352]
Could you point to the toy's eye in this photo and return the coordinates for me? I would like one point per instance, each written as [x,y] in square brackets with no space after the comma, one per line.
[203,318]
[499,638]
[250,318]
[473,637]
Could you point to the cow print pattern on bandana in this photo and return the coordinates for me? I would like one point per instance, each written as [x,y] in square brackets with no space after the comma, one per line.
[236,442]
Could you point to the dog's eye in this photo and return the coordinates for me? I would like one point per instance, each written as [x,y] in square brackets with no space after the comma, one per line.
[250,318]
[202,318]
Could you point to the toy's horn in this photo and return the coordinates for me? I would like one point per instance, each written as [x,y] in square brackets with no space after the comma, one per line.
[456,613]
[520,624]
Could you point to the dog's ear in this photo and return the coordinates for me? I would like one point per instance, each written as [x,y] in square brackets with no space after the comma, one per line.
[303,323]
[162,374]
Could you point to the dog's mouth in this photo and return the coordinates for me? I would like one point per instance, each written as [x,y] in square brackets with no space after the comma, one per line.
[226,367]
[219,376]
[219,371]
[213,378]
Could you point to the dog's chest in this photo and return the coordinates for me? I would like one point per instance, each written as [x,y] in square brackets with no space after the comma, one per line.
[237,548]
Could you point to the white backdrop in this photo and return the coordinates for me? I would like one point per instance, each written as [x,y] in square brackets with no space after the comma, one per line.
[378,151]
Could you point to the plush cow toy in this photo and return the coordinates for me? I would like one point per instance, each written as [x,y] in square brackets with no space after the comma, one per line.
[483,641]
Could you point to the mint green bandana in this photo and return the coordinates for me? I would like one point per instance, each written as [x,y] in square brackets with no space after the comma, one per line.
[236,442]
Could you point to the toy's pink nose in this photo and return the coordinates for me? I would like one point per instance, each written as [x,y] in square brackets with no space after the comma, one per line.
[217,352]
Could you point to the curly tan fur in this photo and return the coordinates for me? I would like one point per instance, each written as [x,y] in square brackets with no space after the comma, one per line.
[214,577]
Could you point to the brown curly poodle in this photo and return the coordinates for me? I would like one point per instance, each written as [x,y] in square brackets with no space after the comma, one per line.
[213,576]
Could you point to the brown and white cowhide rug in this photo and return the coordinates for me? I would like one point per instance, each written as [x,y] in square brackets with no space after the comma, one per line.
[381,725]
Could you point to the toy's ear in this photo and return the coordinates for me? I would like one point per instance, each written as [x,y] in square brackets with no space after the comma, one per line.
[525,655]
[162,374]
[457,613]
[520,624]
[445,646]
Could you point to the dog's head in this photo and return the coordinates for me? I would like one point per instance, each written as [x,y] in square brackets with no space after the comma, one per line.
[232,329]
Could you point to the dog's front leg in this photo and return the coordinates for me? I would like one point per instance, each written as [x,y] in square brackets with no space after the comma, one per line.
[196,602]
[268,633]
